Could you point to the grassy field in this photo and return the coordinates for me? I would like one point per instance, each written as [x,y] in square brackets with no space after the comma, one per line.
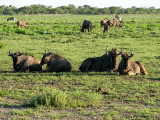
[73,95]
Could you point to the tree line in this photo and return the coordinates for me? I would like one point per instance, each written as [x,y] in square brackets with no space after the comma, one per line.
[72,9]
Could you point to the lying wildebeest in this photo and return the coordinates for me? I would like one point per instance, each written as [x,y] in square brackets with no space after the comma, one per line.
[126,66]
[11,18]
[107,62]
[55,63]
[87,25]
[118,17]
[22,62]
[111,23]
[22,23]
[103,22]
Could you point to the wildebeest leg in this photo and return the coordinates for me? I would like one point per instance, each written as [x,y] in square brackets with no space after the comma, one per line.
[88,29]
[86,65]
[142,68]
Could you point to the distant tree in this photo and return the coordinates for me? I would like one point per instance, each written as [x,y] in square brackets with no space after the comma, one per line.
[114,10]
[104,10]
[9,10]
[71,9]
[2,9]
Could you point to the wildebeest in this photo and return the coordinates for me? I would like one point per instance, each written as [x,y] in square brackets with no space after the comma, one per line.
[55,63]
[118,17]
[107,62]
[87,25]
[22,23]
[103,22]
[22,62]
[111,23]
[126,66]
[114,22]
[11,18]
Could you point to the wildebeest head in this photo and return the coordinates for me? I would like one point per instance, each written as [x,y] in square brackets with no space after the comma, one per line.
[15,57]
[114,55]
[126,58]
[46,57]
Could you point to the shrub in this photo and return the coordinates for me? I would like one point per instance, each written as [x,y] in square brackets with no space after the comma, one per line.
[60,99]
[3,45]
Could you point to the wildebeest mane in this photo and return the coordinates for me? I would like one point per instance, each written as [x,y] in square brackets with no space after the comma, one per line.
[55,55]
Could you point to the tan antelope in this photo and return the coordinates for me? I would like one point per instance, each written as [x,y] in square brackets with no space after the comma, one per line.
[22,62]
[107,62]
[22,23]
[126,66]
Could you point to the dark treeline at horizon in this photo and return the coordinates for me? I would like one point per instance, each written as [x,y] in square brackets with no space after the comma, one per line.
[72,9]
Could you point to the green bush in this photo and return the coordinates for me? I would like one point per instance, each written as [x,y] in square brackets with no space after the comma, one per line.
[3,45]
[60,99]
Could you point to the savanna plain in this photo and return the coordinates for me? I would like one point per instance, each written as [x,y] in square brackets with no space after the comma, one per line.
[72,95]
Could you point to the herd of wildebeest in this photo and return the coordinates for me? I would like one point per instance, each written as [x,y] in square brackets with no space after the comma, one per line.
[55,63]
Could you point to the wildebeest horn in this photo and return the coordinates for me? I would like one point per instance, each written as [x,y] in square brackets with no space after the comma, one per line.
[45,51]
[121,50]
[9,51]
[19,51]
[48,50]
[106,50]
[131,55]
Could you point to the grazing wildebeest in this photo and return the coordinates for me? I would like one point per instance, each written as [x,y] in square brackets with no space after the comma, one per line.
[11,18]
[55,63]
[126,66]
[103,22]
[87,25]
[111,23]
[118,17]
[114,22]
[107,62]
[22,62]
[22,23]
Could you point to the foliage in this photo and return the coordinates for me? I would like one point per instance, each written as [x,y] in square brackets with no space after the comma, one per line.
[71,9]
[59,99]
[3,45]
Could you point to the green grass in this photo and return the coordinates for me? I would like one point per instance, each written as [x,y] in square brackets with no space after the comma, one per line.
[73,95]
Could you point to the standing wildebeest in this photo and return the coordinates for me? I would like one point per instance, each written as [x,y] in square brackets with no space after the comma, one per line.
[107,62]
[22,23]
[24,63]
[55,63]
[129,67]
[114,22]
[118,17]
[111,23]
[103,22]
[11,18]
[87,25]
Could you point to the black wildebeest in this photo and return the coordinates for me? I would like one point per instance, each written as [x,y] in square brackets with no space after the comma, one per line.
[55,63]
[22,23]
[126,66]
[103,22]
[22,62]
[87,25]
[11,18]
[107,62]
